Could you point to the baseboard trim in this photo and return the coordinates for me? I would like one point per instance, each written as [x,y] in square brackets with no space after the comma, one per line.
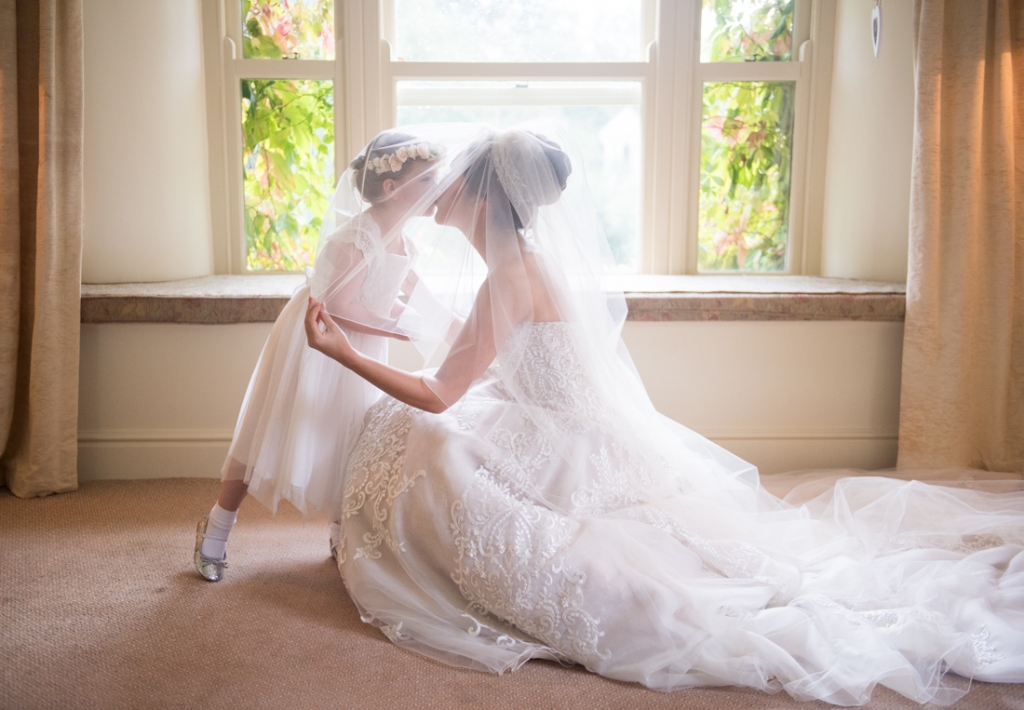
[162,436]
[796,434]
[129,454]
[139,436]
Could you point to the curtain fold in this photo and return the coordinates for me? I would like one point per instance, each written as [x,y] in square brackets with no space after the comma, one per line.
[962,397]
[41,80]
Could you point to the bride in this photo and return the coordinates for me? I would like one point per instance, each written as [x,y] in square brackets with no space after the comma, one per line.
[526,500]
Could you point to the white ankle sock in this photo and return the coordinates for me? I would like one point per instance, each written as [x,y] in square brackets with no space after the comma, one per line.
[217,530]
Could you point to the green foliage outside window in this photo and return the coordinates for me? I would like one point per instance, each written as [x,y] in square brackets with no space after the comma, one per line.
[745,169]
[288,29]
[746,139]
[288,169]
[746,30]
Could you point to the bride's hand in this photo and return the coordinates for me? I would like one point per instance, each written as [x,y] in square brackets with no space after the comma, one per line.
[323,334]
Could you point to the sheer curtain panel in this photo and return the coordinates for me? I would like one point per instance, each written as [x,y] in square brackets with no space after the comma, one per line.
[40,242]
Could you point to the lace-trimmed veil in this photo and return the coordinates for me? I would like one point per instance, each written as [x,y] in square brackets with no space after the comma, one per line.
[354,244]
[522,207]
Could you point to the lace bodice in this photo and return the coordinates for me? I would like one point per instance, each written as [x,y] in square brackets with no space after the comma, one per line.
[385,271]
[548,369]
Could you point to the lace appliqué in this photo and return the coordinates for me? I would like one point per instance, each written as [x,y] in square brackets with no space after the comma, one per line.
[985,652]
[378,476]
[511,562]
[621,478]
[549,373]
[377,293]
[727,558]
[504,154]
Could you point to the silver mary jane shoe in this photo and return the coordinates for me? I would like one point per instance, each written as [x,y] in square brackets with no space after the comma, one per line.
[208,568]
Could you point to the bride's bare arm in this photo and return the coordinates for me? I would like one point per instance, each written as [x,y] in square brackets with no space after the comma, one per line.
[410,285]
[323,334]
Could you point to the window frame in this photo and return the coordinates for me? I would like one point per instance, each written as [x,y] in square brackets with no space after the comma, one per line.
[366,74]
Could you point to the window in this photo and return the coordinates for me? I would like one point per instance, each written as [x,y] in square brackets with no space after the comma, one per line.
[696,117]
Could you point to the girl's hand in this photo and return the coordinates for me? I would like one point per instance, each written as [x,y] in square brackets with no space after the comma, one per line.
[323,334]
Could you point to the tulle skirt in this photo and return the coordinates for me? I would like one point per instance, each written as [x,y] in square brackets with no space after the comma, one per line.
[463,543]
[301,415]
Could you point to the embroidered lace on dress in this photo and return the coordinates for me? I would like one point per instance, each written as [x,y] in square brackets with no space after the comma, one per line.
[509,541]
[377,293]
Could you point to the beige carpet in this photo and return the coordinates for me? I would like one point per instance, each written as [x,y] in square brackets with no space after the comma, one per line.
[100,608]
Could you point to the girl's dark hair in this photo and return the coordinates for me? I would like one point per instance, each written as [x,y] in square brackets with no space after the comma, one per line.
[369,183]
[560,165]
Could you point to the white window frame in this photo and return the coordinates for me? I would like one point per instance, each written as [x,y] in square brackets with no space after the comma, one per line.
[365,76]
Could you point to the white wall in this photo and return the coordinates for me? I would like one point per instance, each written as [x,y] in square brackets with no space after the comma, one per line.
[147,210]
[871,128]
[160,400]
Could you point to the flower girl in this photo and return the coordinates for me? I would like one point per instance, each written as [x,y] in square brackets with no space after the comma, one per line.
[303,411]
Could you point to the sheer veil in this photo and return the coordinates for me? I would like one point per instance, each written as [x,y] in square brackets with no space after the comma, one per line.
[516,239]
[393,180]
[872,580]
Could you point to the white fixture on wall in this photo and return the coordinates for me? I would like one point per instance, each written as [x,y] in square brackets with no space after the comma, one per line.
[876,26]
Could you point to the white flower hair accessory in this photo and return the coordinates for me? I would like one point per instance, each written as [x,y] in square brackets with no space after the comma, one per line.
[393,162]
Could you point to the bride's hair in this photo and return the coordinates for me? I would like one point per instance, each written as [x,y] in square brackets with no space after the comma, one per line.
[558,161]
[370,180]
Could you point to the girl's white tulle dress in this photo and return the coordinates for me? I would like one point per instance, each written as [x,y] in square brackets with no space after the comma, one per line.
[303,411]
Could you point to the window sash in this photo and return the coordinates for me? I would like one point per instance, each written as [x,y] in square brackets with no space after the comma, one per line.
[672,78]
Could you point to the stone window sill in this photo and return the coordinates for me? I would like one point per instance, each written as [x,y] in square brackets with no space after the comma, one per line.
[259,299]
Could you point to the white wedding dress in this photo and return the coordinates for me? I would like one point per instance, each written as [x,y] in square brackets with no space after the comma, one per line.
[551,512]
[467,537]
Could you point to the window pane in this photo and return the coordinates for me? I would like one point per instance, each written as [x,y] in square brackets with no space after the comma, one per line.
[607,132]
[745,165]
[288,169]
[288,29]
[746,30]
[521,31]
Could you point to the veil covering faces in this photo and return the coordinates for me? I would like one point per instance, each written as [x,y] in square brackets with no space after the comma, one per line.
[392,180]
[490,213]
[552,512]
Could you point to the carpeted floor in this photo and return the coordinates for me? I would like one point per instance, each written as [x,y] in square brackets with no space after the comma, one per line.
[100,608]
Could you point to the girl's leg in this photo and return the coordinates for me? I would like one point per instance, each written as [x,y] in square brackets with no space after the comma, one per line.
[232,493]
[214,529]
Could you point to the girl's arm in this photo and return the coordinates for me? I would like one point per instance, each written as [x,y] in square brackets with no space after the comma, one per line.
[323,334]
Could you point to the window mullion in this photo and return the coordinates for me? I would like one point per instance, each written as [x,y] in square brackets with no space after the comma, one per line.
[749,71]
[231,101]
[796,261]
[820,28]
[571,71]
[666,200]
[685,227]
[316,69]
[519,95]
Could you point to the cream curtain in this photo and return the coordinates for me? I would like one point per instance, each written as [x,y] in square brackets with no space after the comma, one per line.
[962,399]
[40,242]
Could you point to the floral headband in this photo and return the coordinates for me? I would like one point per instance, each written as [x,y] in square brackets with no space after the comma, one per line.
[392,162]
